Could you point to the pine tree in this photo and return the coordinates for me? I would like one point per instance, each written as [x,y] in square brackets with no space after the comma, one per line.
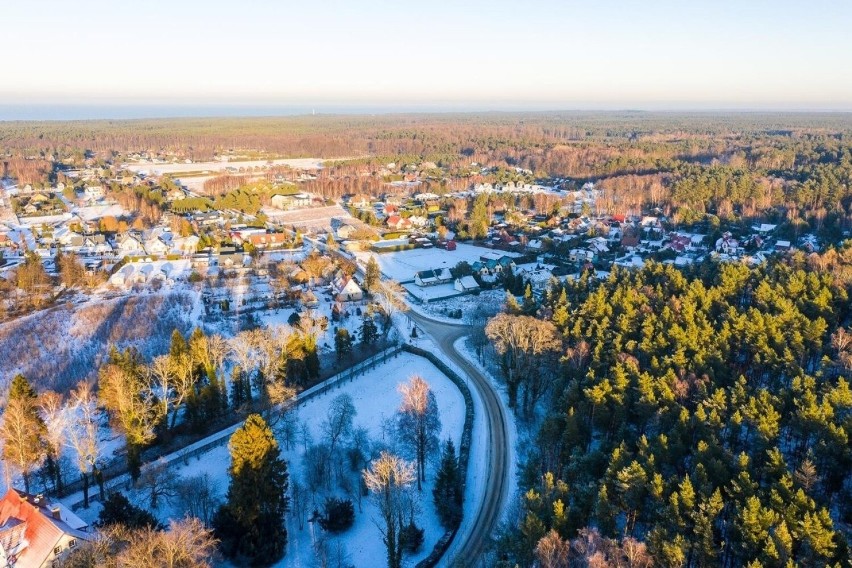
[372,275]
[369,330]
[342,343]
[447,490]
[529,306]
[251,523]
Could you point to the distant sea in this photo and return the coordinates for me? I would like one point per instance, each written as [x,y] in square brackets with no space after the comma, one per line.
[115,112]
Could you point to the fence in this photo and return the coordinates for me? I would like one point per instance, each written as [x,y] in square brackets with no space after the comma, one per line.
[117,475]
[464,448]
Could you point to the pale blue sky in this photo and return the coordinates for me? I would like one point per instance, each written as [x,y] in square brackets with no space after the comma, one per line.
[487,54]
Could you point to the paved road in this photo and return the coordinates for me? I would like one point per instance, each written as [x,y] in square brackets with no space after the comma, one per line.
[487,515]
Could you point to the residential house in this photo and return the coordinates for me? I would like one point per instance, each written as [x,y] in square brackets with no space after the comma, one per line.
[433,277]
[268,240]
[291,201]
[156,246]
[35,533]
[360,201]
[130,244]
[726,244]
[347,290]
[466,284]
[398,223]
[345,231]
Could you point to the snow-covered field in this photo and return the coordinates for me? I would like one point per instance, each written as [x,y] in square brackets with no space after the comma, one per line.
[376,399]
[487,303]
[159,169]
[401,266]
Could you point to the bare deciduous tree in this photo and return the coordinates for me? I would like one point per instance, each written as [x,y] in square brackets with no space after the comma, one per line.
[198,496]
[525,344]
[83,420]
[388,478]
[418,423]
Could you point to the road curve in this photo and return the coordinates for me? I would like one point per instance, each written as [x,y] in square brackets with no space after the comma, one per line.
[473,543]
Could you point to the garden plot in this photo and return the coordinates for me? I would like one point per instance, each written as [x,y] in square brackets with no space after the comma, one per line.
[376,399]
[401,266]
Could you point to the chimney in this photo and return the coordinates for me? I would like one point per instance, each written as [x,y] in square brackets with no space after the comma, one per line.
[55,512]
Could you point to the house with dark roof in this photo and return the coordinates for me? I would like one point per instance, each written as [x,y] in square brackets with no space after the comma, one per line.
[433,277]
[35,533]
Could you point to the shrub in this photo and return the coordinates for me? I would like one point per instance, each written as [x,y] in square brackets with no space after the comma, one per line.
[338,515]
[118,510]
[411,537]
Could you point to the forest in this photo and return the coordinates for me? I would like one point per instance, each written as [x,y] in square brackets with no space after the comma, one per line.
[697,418]
[782,167]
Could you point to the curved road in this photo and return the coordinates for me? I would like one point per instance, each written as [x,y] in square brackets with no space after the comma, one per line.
[470,549]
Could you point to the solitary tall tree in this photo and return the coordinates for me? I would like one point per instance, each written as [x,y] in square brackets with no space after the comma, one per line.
[372,275]
[418,422]
[388,478]
[251,523]
[447,491]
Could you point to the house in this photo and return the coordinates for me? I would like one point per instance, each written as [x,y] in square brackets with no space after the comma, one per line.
[291,201]
[782,246]
[35,533]
[347,290]
[764,228]
[129,244]
[156,247]
[268,240]
[309,300]
[466,284]
[726,244]
[360,201]
[396,222]
[345,231]
[433,277]
[93,192]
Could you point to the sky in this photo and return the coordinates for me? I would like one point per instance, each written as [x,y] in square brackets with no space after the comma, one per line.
[435,55]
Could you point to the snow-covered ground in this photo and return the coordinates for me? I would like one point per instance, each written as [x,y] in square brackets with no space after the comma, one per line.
[376,399]
[160,169]
[471,305]
[401,266]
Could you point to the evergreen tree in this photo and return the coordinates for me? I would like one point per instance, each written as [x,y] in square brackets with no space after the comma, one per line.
[369,330]
[342,343]
[372,275]
[250,524]
[117,510]
[447,491]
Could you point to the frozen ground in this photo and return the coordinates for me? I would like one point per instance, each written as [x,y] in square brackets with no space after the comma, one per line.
[488,302]
[401,266]
[376,399]
[159,169]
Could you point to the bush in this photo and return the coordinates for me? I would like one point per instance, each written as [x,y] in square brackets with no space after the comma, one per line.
[195,277]
[411,537]
[338,515]
[118,510]
[294,319]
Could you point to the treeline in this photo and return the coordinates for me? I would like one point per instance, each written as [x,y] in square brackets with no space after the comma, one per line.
[145,399]
[704,416]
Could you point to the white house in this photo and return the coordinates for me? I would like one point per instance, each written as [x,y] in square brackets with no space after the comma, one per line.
[130,245]
[156,246]
[466,284]
[347,290]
